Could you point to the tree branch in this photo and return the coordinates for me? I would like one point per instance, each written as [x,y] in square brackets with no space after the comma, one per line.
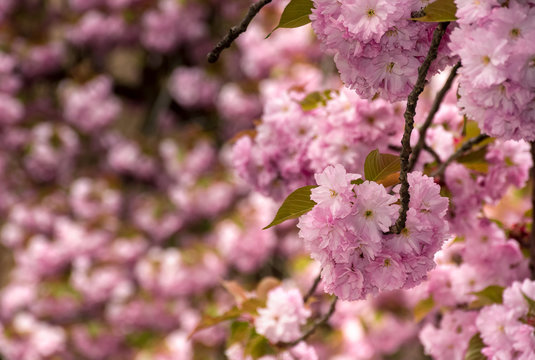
[313,288]
[323,320]
[236,31]
[532,235]
[464,148]
[410,111]
[431,116]
[433,153]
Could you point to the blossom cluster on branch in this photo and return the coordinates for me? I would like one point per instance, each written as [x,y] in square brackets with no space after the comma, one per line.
[136,179]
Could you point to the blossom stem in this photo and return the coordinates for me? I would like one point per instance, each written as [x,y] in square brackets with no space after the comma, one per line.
[532,235]
[464,148]
[410,112]
[236,31]
[321,321]
[431,116]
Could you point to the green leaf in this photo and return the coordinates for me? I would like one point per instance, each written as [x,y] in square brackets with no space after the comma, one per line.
[475,160]
[209,321]
[423,308]
[475,156]
[389,180]
[439,11]
[492,294]
[482,168]
[295,14]
[316,99]
[474,349]
[471,130]
[142,339]
[357,181]
[258,346]
[251,305]
[379,166]
[296,204]
[239,332]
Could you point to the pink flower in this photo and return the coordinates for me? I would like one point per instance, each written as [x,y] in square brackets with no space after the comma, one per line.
[282,318]
[374,210]
[450,340]
[334,189]
[368,18]
[344,281]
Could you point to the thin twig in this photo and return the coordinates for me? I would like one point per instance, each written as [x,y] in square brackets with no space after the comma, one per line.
[235,31]
[532,235]
[433,153]
[394,148]
[321,321]
[161,103]
[312,289]
[463,149]
[431,116]
[410,111]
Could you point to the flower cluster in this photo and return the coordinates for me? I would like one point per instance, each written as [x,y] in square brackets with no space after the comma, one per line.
[508,165]
[120,217]
[375,328]
[508,329]
[291,144]
[479,257]
[171,24]
[463,264]
[377,48]
[79,109]
[497,85]
[283,315]
[450,340]
[345,232]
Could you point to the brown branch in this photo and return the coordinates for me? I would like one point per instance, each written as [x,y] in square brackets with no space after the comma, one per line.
[431,116]
[463,149]
[532,235]
[313,288]
[433,153]
[236,31]
[321,321]
[394,148]
[410,112]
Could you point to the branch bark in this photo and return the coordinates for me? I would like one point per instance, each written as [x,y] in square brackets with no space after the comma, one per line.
[433,153]
[431,116]
[410,112]
[321,321]
[236,31]
[312,289]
